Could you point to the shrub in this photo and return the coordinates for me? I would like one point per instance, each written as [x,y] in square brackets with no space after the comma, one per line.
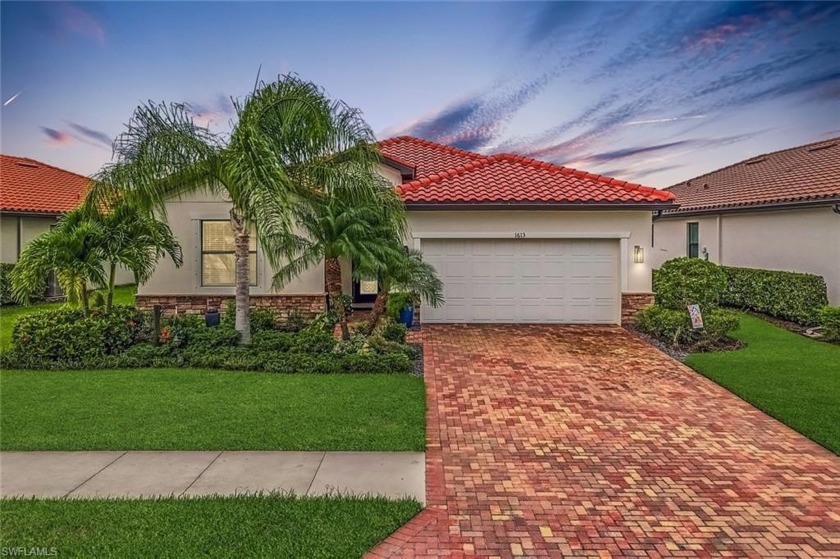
[394,332]
[382,346]
[689,281]
[208,339]
[674,326]
[66,334]
[260,318]
[5,284]
[788,295]
[830,321]
[313,341]
[269,340]
[376,363]
[397,302]
[294,322]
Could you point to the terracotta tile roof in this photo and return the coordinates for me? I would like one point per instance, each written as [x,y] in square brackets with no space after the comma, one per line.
[425,156]
[507,178]
[27,185]
[801,174]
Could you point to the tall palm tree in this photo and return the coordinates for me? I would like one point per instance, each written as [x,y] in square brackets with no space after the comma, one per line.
[132,239]
[72,250]
[341,226]
[407,272]
[289,143]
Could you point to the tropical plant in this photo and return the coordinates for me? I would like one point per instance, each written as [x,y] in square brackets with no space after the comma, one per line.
[289,143]
[405,272]
[72,250]
[342,225]
[133,239]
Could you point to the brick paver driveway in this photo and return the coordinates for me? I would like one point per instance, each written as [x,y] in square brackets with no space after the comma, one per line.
[555,441]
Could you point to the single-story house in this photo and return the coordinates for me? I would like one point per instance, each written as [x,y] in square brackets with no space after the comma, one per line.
[778,211]
[33,195]
[513,239]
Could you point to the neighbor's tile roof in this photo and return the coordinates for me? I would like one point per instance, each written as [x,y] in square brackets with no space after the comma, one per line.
[507,178]
[425,156]
[27,185]
[801,174]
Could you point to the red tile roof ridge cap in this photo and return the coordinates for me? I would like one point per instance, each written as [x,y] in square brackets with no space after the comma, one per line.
[759,156]
[30,160]
[428,143]
[569,171]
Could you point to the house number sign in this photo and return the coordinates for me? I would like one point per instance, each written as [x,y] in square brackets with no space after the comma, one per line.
[519,235]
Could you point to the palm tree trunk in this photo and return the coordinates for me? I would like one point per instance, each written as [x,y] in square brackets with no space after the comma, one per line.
[242,249]
[111,279]
[84,296]
[332,276]
[378,310]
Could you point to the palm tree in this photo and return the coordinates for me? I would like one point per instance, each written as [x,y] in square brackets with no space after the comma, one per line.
[341,226]
[72,251]
[133,239]
[405,271]
[289,144]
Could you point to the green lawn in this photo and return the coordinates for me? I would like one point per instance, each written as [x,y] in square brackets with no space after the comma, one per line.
[790,377]
[189,409]
[123,295]
[260,526]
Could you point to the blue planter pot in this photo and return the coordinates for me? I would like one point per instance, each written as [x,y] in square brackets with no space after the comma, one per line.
[407,316]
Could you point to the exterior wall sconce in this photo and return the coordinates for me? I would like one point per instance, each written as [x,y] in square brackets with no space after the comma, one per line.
[638,255]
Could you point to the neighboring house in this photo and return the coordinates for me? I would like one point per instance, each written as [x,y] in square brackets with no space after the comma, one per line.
[777,211]
[33,195]
[512,238]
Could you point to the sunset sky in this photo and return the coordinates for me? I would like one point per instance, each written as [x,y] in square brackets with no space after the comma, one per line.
[650,92]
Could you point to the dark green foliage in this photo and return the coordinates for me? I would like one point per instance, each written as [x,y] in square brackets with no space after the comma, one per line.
[394,332]
[268,340]
[5,284]
[674,326]
[208,339]
[380,345]
[293,322]
[313,341]
[830,321]
[689,281]
[68,335]
[788,295]
[397,302]
[261,318]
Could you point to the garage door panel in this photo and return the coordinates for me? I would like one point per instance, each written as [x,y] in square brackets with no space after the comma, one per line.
[525,280]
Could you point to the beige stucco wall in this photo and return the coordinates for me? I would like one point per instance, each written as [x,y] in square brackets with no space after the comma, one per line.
[30,227]
[806,240]
[635,225]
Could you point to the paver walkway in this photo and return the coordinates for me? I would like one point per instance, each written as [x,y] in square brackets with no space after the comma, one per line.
[148,474]
[560,441]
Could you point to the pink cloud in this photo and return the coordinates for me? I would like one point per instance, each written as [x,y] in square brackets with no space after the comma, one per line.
[57,137]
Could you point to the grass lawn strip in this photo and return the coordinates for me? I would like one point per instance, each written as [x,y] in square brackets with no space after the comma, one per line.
[193,409]
[242,526]
[790,377]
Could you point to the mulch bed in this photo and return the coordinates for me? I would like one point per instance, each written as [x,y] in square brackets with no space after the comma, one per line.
[418,363]
[681,352]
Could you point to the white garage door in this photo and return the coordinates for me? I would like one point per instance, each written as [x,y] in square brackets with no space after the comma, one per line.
[525,280]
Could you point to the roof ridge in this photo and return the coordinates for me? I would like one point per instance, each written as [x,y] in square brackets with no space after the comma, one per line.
[760,155]
[18,157]
[478,163]
[428,143]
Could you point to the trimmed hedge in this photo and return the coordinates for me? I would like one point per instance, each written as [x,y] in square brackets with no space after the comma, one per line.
[792,296]
[66,334]
[830,322]
[689,281]
[674,326]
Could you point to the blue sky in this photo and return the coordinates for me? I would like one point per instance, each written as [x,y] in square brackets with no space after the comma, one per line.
[645,91]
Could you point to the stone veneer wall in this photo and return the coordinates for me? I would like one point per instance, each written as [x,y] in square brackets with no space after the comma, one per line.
[632,303]
[308,305]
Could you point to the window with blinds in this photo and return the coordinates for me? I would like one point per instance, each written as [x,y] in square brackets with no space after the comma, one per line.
[218,258]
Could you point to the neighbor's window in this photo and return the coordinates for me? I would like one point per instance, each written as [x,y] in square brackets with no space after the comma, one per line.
[218,259]
[693,240]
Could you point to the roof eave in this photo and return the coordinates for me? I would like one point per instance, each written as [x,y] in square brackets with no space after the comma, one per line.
[31,213]
[759,206]
[596,206]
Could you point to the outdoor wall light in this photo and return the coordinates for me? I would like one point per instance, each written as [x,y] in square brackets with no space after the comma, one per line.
[638,255]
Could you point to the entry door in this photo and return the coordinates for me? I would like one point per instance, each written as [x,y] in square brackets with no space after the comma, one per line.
[364,289]
[526,280]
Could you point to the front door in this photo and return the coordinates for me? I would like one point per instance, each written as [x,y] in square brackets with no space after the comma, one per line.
[364,289]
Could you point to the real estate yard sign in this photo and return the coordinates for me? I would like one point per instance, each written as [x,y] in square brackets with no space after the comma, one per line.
[696,317]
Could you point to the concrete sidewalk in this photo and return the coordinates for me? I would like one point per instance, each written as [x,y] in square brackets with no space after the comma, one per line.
[101,474]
